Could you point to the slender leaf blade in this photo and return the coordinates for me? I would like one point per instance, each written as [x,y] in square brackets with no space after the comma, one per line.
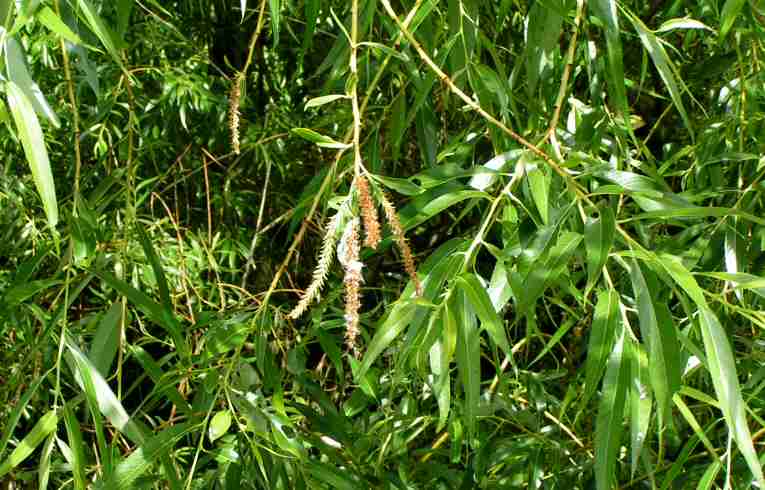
[33,142]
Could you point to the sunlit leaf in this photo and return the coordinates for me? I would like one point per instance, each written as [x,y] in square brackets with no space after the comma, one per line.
[33,142]
[44,426]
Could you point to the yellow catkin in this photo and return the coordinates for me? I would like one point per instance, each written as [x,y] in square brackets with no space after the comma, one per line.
[321,271]
[368,213]
[352,281]
[233,111]
[398,233]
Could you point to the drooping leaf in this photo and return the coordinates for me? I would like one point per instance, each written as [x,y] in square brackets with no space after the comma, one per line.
[18,73]
[275,8]
[539,183]
[33,142]
[49,19]
[599,234]
[105,342]
[100,29]
[476,295]
[468,355]
[721,365]
[605,324]
[641,403]
[665,67]
[655,338]
[44,426]
[606,11]
[728,16]
[143,458]
[608,424]
[108,403]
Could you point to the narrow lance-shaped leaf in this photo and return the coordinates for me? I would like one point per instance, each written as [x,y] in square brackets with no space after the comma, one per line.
[608,425]
[652,335]
[476,294]
[606,11]
[728,16]
[108,404]
[49,19]
[598,239]
[100,29]
[33,143]
[275,9]
[664,66]
[605,324]
[42,428]
[721,364]
[18,73]
[641,402]
[468,358]
[142,459]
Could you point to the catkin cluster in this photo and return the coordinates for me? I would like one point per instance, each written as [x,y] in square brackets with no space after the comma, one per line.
[349,254]
[234,100]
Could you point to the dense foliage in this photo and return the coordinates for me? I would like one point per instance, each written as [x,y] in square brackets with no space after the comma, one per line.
[373,244]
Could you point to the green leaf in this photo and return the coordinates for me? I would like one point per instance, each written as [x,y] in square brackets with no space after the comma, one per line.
[49,19]
[105,342]
[156,266]
[721,365]
[599,236]
[546,269]
[709,477]
[43,470]
[160,379]
[539,183]
[275,8]
[74,436]
[108,404]
[319,139]
[243,7]
[543,31]
[605,323]
[606,12]
[142,459]
[685,23]
[6,13]
[728,16]
[468,357]
[18,73]
[15,414]
[608,424]
[149,307]
[34,148]
[39,432]
[429,204]
[219,425]
[664,66]
[101,31]
[497,164]
[641,402]
[476,295]
[324,99]
[402,186]
[660,373]
[694,424]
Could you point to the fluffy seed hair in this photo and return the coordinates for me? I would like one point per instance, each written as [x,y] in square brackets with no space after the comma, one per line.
[322,269]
